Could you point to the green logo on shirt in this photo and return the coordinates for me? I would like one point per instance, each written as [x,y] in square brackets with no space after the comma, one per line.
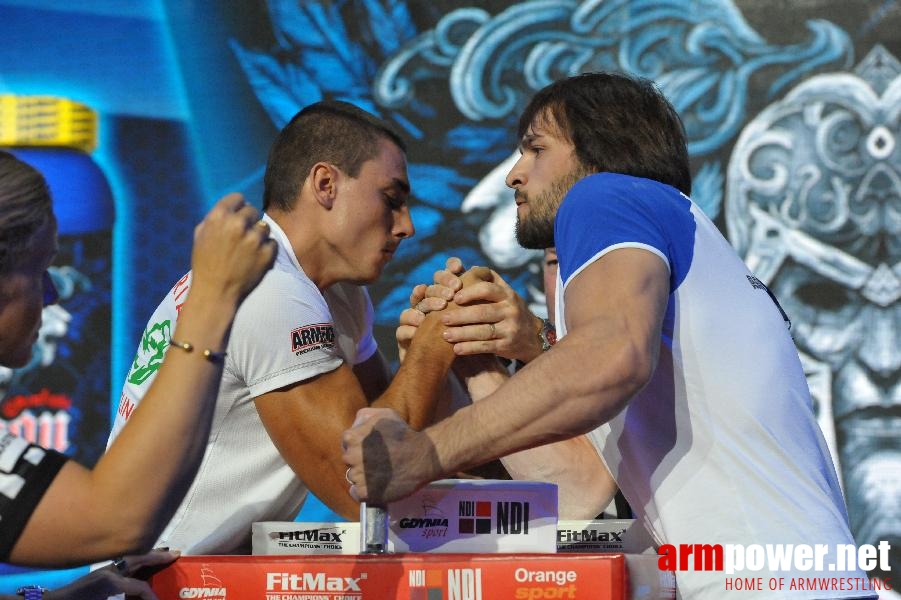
[150,355]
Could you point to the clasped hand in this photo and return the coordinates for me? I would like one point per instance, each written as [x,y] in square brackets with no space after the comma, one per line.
[491,319]
[386,459]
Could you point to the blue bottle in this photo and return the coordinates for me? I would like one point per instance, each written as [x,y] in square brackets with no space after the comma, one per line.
[61,398]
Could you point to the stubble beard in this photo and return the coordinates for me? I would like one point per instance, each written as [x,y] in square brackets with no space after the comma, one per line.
[536,231]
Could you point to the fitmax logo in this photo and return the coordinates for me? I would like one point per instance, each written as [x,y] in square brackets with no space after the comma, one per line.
[309,535]
[589,535]
[312,582]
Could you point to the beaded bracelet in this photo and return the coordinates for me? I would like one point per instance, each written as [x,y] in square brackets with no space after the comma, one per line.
[215,357]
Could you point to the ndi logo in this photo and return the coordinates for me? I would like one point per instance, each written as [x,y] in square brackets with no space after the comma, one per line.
[513,517]
[464,584]
[426,584]
[475,517]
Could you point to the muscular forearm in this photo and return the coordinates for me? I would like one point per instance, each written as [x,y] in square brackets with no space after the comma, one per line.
[553,398]
[609,353]
[584,484]
[481,374]
[420,381]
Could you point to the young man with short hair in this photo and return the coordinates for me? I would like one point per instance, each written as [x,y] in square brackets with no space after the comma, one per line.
[302,358]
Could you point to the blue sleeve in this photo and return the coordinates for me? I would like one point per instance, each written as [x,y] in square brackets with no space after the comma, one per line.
[605,211]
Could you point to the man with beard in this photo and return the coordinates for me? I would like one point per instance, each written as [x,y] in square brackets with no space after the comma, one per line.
[671,355]
[515,336]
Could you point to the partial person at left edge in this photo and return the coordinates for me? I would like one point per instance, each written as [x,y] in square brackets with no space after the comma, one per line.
[55,512]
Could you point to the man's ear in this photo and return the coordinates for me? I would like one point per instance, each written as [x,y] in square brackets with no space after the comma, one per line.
[324,182]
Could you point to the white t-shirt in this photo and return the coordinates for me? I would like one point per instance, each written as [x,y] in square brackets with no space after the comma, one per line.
[286,331]
[722,446]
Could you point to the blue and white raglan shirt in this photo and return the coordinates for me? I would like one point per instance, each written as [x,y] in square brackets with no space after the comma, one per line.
[722,446]
[26,472]
[286,331]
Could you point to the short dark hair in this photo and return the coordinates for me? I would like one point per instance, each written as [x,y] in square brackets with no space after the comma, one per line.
[618,124]
[25,207]
[329,131]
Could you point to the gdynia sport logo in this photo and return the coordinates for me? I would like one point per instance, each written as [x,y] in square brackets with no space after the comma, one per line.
[808,567]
